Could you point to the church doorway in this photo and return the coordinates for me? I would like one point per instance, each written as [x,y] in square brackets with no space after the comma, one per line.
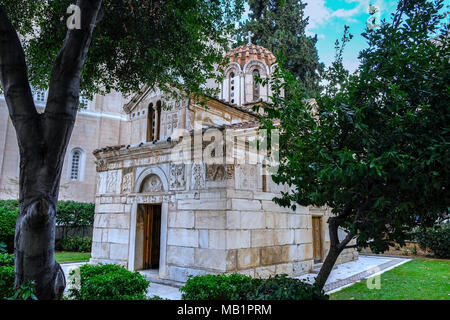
[317,239]
[151,231]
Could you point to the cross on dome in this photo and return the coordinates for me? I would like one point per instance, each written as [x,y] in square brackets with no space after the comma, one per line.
[250,35]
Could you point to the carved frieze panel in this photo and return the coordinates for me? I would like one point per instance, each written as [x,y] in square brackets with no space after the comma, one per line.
[111,181]
[198,176]
[246,178]
[177,176]
[127,183]
[230,171]
[215,172]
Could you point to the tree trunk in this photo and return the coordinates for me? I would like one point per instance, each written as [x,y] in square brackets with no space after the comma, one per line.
[336,248]
[43,139]
[326,268]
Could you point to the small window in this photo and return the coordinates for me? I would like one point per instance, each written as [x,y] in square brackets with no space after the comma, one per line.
[76,164]
[231,86]
[255,85]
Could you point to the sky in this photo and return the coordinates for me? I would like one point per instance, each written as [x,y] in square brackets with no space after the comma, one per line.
[328,17]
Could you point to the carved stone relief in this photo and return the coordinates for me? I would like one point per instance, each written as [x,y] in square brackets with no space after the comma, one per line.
[177,180]
[230,171]
[215,172]
[152,184]
[246,177]
[127,183]
[172,123]
[111,182]
[198,176]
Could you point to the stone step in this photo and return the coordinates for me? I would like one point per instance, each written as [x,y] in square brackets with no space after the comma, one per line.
[155,279]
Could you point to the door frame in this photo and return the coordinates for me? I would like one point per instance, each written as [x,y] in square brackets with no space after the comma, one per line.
[156,170]
[151,224]
[319,219]
[163,238]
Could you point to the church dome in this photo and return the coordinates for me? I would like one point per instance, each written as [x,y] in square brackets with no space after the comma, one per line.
[245,53]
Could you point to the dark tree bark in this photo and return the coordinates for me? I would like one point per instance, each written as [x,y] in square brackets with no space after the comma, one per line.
[336,248]
[43,140]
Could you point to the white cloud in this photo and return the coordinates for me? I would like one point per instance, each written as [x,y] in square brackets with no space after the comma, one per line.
[318,13]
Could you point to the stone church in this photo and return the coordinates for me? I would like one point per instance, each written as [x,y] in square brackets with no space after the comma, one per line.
[191,217]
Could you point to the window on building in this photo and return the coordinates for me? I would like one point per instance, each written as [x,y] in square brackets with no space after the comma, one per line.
[76,164]
[256,93]
[231,86]
[150,122]
[154,122]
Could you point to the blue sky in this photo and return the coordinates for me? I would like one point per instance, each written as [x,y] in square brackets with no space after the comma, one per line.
[327,20]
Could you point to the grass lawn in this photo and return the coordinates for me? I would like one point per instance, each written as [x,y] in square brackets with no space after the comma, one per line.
[420,279]
[64,256]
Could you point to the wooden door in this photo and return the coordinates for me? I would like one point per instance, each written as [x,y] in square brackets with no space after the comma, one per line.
[152,234]
[317,239]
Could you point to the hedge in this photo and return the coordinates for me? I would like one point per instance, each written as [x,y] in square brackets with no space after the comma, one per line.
[74,244]
[436,239]
[107,282]
[6,275]
[69,213]
[241,287]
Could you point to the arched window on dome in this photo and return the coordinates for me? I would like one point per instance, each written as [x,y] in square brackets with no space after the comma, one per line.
[256,86]
[231,85]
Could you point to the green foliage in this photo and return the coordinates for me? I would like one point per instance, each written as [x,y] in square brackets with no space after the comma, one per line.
[108,282]
[6,259]
[26,291]
[69,214]
[75,214]
[8,217]
[436,238]
[217,287]
[281,287]
[3,248]
[6,275]
[134,43]
[280,26]
[377,149]
[74,244]
[241,287]
[6,282]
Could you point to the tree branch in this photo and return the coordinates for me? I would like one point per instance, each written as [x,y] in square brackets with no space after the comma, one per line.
[14,78]
[63,96]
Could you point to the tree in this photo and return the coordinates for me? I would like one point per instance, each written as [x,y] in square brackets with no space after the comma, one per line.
[376,149]
[130,43]
[280,26]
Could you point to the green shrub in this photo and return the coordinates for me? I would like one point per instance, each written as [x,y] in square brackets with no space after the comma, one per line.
[69,214]
[3,247]
[436,239]
[8,217]
[6,282]
[108,282]
[281,287]
[74,244]
[26,291]
[75,214]
[240,287]
[6,259]
[217,287]
[6,275]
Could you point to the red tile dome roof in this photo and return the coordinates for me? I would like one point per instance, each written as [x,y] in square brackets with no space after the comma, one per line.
[245,53]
